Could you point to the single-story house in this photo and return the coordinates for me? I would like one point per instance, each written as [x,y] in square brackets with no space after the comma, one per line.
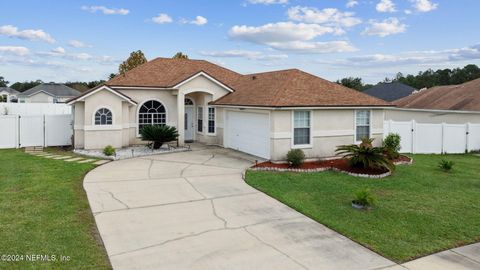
[390,91]
[8,94]
[450,104]
[264,114]
[48,93]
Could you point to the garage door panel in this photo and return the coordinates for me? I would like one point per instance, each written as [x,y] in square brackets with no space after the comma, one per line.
[249,132]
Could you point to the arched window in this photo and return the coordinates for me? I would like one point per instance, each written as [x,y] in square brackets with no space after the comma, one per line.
[103,117]
[151,112]
[188,102]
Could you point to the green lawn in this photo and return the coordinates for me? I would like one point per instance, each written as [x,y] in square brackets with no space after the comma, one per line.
[44,211]
[421,210]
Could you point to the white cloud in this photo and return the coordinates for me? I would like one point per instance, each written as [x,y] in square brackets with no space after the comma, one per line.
[59,50]
[78,44]
[28,34]
[424,5]
[162,18]
[314,47]
[407,11]
[199,20]
[278,32]
[268,2]
[290,36]
[105,10]
[386,6]
[351,3]
[16,50]
[329,16]
[252,55]
[384,28]
[414,57]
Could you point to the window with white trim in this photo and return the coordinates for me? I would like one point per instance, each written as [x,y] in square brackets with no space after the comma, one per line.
[301,127]
[151,113]
[362,122]
[103,117]
[188,102]
[211,120]
[200,119]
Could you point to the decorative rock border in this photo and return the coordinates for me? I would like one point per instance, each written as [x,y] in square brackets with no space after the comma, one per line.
[374,176]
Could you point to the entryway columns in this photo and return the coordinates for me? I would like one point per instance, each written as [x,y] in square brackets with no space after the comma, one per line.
[181,118]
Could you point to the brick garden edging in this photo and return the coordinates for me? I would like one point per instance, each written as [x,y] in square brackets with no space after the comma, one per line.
[375,176]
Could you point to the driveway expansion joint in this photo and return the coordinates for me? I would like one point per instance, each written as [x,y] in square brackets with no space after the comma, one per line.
[116,199]
[275,248]
[216,215]
[193,186]
[466,257]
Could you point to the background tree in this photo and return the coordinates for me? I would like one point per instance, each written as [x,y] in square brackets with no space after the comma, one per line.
[354,83]
[84,86]
[22,86]
[430,78]
[111,76]
[180,55]
[134,60]
[3,82]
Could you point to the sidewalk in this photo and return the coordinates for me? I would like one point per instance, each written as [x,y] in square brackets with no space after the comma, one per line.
[467,257]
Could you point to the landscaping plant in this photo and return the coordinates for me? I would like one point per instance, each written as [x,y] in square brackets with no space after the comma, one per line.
[365,155]
[364,198]
[391,146]
[158,134]
[109,150]
[446,165]
[295,157]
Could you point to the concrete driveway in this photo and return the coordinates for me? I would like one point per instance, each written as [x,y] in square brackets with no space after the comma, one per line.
[192,210]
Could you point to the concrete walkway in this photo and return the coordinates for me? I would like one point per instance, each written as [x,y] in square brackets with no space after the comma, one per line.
[192,210]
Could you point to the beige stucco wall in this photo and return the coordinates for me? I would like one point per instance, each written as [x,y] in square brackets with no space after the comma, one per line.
[432,117]
[124,130]
[330,128]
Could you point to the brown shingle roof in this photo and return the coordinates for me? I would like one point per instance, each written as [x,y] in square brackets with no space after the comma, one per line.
[168,72]
[293,87]
[286,88]
[463,97]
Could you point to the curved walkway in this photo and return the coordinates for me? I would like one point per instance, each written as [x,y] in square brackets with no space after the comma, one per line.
[192,210]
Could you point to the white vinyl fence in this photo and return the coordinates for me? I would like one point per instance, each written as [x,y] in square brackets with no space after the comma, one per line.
[35,130]
[34,108]
[435,138]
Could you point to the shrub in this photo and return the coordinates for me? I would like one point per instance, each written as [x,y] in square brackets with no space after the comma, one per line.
[109,150]
[391,145]
[364,198]
[446,165]
[295,157]
[365,155]
[158,134]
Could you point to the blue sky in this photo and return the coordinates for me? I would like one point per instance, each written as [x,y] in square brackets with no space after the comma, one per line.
[372,39]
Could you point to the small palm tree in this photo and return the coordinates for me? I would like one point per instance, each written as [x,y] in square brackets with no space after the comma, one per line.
[158,134]
[365,155]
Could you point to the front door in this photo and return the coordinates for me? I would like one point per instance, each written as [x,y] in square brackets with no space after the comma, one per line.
[189,129]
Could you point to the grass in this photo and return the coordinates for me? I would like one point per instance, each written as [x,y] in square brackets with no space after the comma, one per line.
[420,209]
[44,210]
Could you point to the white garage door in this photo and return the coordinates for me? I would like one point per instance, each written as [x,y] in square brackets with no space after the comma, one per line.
[248,132]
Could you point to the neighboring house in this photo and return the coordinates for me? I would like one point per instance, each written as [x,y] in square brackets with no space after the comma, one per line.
[451,104]
[264,114]
[390,91]
[48,93]
[8,94]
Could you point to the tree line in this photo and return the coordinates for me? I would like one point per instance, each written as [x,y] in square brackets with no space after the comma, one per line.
[424,79]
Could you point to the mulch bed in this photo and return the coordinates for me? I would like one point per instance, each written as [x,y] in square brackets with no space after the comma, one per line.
[335,164]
